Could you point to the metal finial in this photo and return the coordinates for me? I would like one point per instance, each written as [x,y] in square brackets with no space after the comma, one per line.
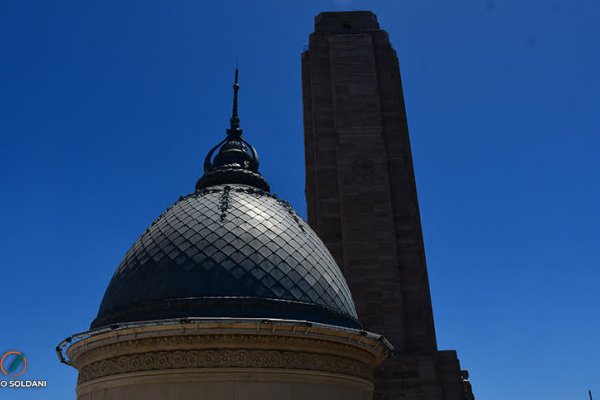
[233,160]
[235,120]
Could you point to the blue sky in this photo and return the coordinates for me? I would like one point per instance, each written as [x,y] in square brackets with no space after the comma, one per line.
[107,109]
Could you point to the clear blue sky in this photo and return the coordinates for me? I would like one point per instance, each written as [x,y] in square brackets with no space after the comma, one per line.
[107,109]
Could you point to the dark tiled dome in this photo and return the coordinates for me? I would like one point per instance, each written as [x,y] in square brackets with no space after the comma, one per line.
[228,251]
[231,249]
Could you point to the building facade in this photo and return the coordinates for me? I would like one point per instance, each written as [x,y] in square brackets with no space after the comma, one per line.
[228,294]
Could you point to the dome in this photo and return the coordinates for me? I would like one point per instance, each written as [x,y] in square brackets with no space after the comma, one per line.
[230,249]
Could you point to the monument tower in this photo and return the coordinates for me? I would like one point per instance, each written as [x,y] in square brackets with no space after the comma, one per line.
[362,199]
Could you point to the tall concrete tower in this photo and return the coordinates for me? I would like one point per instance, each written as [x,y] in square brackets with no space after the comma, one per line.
[362,198]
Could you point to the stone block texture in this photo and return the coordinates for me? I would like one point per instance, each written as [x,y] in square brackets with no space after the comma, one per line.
[362,198]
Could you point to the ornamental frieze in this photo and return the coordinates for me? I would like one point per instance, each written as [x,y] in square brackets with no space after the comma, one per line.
[193,342]
[165,360]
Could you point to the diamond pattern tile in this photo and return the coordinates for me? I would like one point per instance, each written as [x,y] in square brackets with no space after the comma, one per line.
[229,242]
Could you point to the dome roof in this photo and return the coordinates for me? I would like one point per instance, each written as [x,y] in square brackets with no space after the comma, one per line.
[228,251]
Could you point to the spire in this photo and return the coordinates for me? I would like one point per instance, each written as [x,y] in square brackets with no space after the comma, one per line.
[236,161]
[234,122]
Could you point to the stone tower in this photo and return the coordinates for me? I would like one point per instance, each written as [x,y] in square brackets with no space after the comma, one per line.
[362,199]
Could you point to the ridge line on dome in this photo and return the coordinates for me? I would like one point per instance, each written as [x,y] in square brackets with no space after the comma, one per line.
[224,202]
[288,207]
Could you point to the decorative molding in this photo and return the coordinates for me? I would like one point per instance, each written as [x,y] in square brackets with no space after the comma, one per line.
[92,354]
[238,358]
